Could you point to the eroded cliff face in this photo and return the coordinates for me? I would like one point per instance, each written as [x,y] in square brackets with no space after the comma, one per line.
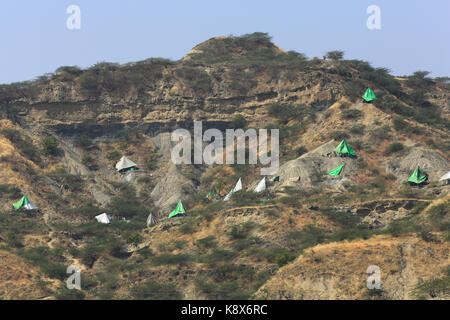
[172,101]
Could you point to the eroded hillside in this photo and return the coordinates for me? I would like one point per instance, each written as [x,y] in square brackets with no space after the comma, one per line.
[308,236]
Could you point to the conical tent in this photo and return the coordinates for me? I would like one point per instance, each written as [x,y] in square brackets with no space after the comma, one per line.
[125,163]
[344,148]
[261,185]
[151,220]
[236,188]
[337,171]
[418,176]
[25,203]
[178,210]
[445,177]
[369,95]
[276,179]
[103,218]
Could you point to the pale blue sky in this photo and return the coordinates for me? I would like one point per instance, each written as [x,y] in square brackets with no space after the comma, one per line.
[414,34]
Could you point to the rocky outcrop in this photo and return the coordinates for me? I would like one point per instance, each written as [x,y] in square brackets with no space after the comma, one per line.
[311,168]
[430,161]
[170,189]
[338,270]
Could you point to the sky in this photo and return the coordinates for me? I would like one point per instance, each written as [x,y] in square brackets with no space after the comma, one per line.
[35,39]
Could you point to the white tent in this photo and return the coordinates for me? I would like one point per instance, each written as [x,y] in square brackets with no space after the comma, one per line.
[125,163]
[236,188]
[151,220]
[445,177]
[103,218]
[30,206]
[261,185]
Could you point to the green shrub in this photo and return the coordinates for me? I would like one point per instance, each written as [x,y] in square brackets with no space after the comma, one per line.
[217,255]
[381,133]
[7,190]
[399,227]
[227,290]
[50,145]
[382,78]
[89,162]
[168,259]
[187,228]
[134,239]
[195,78]
[245,198]
[43,257]
[342,219]
[432,288]
[143,180]
[394,147]
[146,252]
[309,236]
[286,112]
[238,122]
[351,114]
[12,135]
[89,82]
[338,135]
[207,242]
[152,290]
[66,294]
[359,232]
[284,258]
[241,231]
[71,182]
[14,239]
[427,236]
[83,141]
[439,216]
[113,155]
[334,55]
[127,205]
[361,164]
[270,254]
[25,146]
[399,124]
[300,151]
[179,244]
[357,129]
[357,144]
[152,161]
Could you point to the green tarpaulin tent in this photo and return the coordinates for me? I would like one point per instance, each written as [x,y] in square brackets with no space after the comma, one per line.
[418,176]
[212,194]
[276,179]
[25,203]
[369,95]
[337,171]
[178,210]
[344,148]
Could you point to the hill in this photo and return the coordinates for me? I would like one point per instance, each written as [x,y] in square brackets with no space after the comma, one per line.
[308,236]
